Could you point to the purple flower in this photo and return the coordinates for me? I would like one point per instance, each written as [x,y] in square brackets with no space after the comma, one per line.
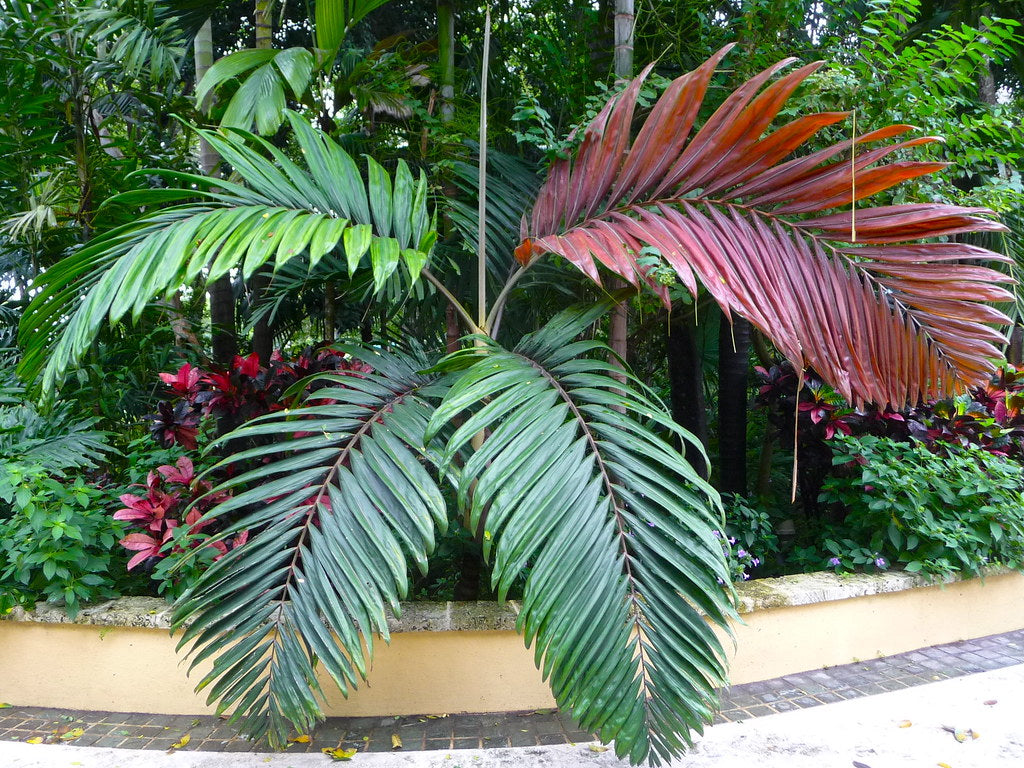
[755,562]
[732,540]
[741,553]
[746,576]
[880,562]
[717,534]
[833,561]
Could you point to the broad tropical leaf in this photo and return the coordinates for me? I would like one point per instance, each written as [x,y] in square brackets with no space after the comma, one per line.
[334,18]
[278,211]
[333,519]
[269,74]
[625,574]
[881,319]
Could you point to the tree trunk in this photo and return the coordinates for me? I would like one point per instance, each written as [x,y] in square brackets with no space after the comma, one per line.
[733,367]
[686,382]
[221,293]
[618,330]
[262,333]
[446,57]
[330,313]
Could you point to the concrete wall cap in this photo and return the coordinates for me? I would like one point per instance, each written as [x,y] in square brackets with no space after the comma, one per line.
[757,595]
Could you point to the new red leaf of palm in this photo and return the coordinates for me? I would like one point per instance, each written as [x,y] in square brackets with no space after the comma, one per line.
[881,319]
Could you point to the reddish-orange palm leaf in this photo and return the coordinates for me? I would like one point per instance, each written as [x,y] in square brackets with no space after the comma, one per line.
[881,318]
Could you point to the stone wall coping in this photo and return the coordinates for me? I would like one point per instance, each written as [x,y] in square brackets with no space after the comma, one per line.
[757,595]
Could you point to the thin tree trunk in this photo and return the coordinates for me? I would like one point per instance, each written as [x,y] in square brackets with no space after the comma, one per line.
[446,57]
[330,313]
[733,368]
[618,330]
[686,382]
[262,334]
[221,293]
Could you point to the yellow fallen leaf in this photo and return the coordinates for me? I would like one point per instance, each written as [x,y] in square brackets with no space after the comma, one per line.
[396,741]
[944,765]
[339,753]
[183,741]
[597,748]
[302,738]
[34,740]
[905,724]
[73,734]
[5,705]
[974,734]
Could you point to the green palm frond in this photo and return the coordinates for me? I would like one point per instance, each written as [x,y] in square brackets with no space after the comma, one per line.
[512,185]
[277,211]
[625,573]
[267,76]
[55,440]
[143,36]
[334,518]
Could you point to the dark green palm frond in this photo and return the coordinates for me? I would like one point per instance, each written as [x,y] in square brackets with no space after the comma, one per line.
[512,185]
[334,517]
[626,576]
[56,440]
[143,36]
[278,211]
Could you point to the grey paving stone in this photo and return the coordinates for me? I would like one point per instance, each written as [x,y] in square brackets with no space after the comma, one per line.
[109,741]
[784,706]
[522,740]
[870,688]
[828,697]
[806,701]
[576,736]
[552,738]
[760,711]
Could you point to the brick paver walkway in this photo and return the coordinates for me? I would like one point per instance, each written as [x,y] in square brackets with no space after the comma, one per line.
[516,729]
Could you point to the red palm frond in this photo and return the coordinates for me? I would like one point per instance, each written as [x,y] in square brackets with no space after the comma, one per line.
[881,318]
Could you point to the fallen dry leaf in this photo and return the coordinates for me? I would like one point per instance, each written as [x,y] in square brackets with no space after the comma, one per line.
[34,740]
[396,741]
[944,765]
[183,741]
[5,705]
[905,724]
[302,738]
[598,748]
[339,753]
[73,734]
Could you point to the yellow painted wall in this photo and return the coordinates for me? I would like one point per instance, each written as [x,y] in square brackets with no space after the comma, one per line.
[134,669]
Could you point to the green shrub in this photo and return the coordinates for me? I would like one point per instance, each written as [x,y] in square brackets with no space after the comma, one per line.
[58,541]
[932,512]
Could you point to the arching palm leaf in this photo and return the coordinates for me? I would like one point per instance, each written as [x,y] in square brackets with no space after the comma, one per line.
[270,74]
[880,319]
[334,518]
[143,36]
[615,525]
[279,210]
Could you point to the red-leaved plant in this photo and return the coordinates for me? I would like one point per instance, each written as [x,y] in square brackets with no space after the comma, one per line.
[989,417]
[168,513]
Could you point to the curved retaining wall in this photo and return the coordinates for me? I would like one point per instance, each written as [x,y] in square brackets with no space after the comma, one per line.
[466,657]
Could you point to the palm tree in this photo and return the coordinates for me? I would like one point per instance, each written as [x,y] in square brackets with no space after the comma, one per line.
[576,481]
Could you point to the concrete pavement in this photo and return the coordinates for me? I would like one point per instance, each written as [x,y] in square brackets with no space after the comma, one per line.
[901,729]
